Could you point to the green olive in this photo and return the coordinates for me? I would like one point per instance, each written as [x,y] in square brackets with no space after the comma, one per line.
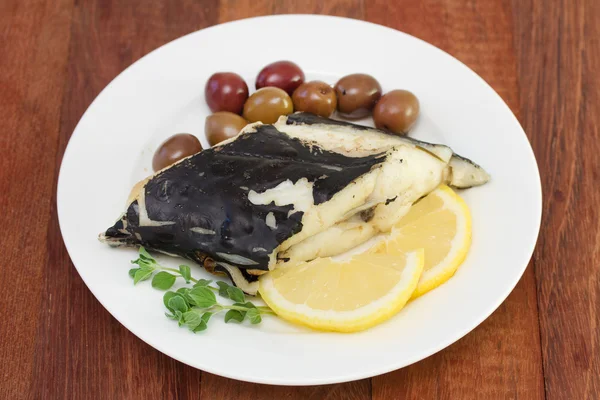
[267,105]
[223,125]
[315,97]
[396,111]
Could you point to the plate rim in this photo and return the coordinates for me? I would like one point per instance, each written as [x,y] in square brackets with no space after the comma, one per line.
[389,367]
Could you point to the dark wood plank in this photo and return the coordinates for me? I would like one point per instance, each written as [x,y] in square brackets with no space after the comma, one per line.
[559,53]
[342,8]
[501,358]
[81,351]
[552,84]
[492,362]
[217,388]
[231,10]
[34,43]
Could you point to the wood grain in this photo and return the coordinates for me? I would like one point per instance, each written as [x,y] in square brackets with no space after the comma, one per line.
[34,42]
[56,340]
[480,35]
[559,52]
[80,349]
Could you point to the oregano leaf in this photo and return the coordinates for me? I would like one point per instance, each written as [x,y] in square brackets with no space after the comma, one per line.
[202,297]
[206,316]
[234,315]
[236,294]
[163,280]
[179,316]
[184,292]
[192,319]
[145,255]
[185,272]
[168,296]
[202,282]
[170,316]
[223,286]
[201,327]
[253,315]
[141,275]
[177,303]
[246,305]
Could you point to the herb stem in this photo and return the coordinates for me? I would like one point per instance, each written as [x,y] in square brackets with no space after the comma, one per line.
[263,310]
[169,269]
[214,289]
[239,308]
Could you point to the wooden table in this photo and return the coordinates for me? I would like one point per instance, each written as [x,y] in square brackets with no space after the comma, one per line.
[541,56]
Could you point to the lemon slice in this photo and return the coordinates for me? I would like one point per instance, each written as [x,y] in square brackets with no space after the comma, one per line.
[344,296]
[440,223]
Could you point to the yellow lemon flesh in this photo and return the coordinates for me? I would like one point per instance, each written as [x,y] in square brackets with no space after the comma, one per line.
[440,223]
[344,296]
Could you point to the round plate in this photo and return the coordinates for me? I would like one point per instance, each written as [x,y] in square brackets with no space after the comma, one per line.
[162,94]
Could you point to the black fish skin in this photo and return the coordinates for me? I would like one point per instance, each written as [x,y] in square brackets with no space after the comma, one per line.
[205,191]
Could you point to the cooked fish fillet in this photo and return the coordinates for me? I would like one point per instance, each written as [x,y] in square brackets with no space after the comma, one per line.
[302,188]
[419,174]
[333,241]
[357,140]
[414,174]
[233,207]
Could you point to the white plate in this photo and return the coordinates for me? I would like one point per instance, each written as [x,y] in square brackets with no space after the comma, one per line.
[162,94]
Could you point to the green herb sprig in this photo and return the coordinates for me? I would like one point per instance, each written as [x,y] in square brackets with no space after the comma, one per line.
[194,306]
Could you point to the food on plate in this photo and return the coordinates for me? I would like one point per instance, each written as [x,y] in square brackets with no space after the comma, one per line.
[358,140]
[194,306]
[226,91]
[174,149]
[351,139]
[354,96]
[223,125]
[357,94]
[284,203]
[267,105]
[315,97]
[440,224]
[338,295]
[284,75]
[231,207]
[241,206]
[397,111]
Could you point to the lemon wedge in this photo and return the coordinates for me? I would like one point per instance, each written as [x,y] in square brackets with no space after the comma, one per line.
[440,223]
[343,296]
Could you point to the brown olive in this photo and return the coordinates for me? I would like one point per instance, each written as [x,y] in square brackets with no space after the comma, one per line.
[315,97]
[222,126]
[267,105]
[396,111]
[357,94]
[174,149]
